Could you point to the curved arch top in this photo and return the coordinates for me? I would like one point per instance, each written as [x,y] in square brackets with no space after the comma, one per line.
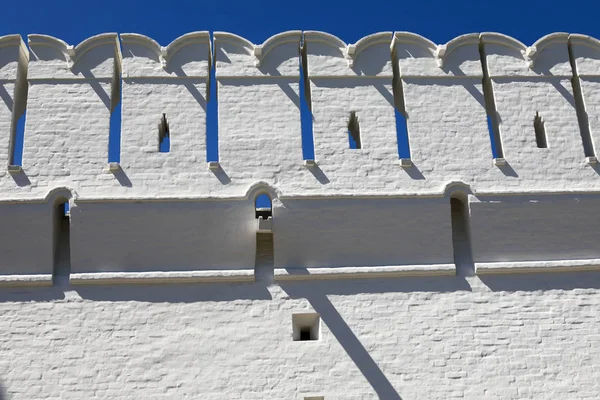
[95,41]
[584,40]
[416,39]
[11,40]
[234,39]
[61,191]
[259,188]
[141,40]
[73,52]
[550,39]
[462,40]
[371,40]
[279,39]
[505,40]
[324,37]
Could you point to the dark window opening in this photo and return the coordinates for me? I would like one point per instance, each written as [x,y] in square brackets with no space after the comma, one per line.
[263,206]
[306,327]
[164,135]
[305,334]
[354,131]
[461,242]
[540,132]
[62,243]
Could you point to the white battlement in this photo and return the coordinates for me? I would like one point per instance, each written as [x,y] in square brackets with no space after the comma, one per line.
[399,125]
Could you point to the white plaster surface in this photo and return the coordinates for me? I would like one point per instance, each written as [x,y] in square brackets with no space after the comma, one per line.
[528,336]
[136,323]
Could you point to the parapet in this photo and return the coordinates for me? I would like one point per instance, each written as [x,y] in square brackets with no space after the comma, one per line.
[187,56]
[418,56]
[364,141]
[328,56]
[506,56]
[276,57]
[94,58]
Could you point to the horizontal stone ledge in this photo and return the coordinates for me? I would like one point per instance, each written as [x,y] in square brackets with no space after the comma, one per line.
[26,280]
[537,266]
[104,278]
[287,274]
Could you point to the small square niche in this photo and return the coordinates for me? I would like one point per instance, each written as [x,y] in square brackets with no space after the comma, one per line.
[306,327]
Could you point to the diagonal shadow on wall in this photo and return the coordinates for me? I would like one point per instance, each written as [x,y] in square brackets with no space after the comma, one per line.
[316,293]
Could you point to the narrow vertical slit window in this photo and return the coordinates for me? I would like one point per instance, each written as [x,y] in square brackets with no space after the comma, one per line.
[402,137]
[461,242]
[540,132]
[19,115]
[17,140]
[62,242]
[400,114]
[212,110]
[164,135]
[490,108]
[582,115]
[264,256]
[354,131]
[114,135]
[306,118]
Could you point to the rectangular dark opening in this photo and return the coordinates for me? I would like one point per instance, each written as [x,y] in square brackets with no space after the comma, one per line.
[490,107]
[461,242]
[354,131]
[264,257]
[305,334]
[164,135]
[62,243]
[305,326]
[540,132]
[212,110]
[306,118]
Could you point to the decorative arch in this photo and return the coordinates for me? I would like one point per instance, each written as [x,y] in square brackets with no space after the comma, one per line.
[371,40]
[457,190]
[414,39]
[74,53]
[462,40]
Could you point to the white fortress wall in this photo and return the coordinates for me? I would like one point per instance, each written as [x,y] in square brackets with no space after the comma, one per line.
[349,228]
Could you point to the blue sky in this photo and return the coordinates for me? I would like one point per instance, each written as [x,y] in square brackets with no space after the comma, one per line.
[440,21]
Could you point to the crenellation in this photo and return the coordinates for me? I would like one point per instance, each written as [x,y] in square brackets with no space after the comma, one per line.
[169,80]
[441,269]
[254,145]
[538,98]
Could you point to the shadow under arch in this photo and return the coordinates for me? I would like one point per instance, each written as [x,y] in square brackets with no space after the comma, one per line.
[60,200]
[457,190]
[460,216]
